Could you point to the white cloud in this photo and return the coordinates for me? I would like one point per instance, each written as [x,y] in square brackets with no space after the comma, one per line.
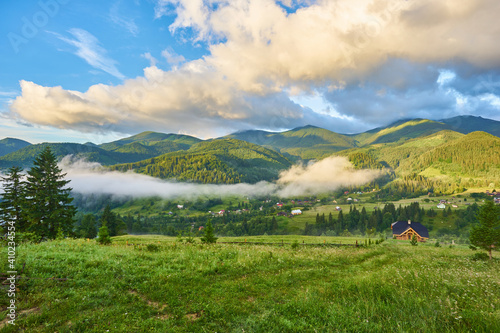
[172,57]
[89,49]
[124,22]
[373,60]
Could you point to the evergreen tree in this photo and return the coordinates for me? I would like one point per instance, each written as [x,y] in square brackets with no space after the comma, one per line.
[209,236]
[103,236]
[11,206]
[112,221]
[87,228]
[48,201]
[486,235]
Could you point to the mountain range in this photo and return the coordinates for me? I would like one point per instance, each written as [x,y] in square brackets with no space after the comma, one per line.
[455,149]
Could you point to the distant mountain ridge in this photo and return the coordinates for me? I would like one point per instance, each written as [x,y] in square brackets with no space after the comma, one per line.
[9,145]
[391,146]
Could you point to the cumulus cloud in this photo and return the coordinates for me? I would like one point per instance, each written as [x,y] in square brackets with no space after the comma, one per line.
[374,60]
[323,176]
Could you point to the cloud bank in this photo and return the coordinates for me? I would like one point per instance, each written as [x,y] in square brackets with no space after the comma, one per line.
[373,61]
[320,177]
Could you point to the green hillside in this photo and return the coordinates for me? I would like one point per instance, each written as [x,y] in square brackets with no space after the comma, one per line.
[475,156]
[152,138]
[24,157]
[9,145]
[215,161]
[400,131]
[391,154]
[307,142]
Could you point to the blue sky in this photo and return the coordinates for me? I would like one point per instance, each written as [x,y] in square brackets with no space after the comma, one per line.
[99,70]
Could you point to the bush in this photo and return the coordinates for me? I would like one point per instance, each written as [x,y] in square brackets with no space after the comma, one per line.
[480,256]
[295,244]
[152,248]
[414,241]
[437,244]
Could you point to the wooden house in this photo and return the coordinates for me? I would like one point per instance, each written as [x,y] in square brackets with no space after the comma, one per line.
[405,230]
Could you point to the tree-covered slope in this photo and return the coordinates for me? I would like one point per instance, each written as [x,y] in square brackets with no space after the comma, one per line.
[308,142]
[400,131]
[215,161]
[24,157]
[9,145]
[152,138]
[475,155]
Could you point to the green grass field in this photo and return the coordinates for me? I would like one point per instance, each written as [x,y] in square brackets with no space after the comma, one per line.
[177,287]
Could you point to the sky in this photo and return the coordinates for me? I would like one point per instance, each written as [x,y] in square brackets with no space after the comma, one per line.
[79,71]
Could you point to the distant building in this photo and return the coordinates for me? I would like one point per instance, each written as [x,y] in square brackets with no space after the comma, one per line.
[180,206]
[296,212]
[441,206]
[338,209]
[405,230]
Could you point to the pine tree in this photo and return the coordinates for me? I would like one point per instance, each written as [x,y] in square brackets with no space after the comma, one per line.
[486,235]
[87,228]
[48,201]
[103,236]
[209,236]
[112,221]
[11,206]
[414,240]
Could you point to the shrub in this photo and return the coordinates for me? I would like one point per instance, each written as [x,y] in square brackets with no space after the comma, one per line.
[437,244]
[295,244]
[414,241]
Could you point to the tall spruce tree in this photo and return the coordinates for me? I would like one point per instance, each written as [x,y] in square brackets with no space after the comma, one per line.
[113,222]
[11,206]
[48,201]
[486,235]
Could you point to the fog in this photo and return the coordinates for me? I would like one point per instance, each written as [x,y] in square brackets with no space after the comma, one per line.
[314,178]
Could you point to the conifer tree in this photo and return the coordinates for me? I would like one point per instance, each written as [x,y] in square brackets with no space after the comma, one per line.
[209,236]
[48,201]
[87,228]
[112,221]
[11,206]
[103,236]
[486,235]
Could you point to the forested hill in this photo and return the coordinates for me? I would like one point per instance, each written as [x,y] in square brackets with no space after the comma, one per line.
[216,161]
[24,157]
[152,139]
[9,145]
[475,155]
[308,142]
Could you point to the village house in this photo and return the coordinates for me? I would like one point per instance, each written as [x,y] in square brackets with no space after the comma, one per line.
[296,212]
[404,230]
[441,206]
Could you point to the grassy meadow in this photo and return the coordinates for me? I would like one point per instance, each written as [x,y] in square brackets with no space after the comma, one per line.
[168,286]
